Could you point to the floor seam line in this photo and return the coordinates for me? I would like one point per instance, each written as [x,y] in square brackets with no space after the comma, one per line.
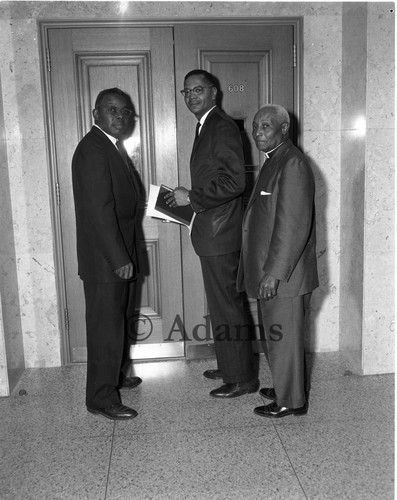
[289,460]
[110,461]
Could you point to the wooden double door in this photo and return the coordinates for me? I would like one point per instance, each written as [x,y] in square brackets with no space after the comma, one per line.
[255,66]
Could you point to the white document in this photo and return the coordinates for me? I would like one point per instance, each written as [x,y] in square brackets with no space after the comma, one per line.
[151,210]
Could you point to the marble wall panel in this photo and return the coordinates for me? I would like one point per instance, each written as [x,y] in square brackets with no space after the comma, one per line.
[381,65]
[34,252]
[12,359]
[29,180]
[354,64]
[379,295]
[23,105]
[352,246]
[322,73]
[30,292]
[379,219]
[354,76]
[323,150]
[12,311]
[321,142]
[39,316]
[175,10]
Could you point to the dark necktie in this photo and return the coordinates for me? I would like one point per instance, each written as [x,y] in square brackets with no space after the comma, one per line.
[130,166]
[126,158]
[197,130]
[196,136]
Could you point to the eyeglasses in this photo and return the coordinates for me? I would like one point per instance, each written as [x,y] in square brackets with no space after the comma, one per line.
[115,111]
[196,90]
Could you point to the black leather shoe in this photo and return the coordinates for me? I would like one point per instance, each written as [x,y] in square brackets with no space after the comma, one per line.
[115,412]
[268,393]
[274,411]
[213,374]
[235,390]
[130,382]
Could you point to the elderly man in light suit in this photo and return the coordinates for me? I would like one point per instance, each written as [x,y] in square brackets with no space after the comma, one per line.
[278,260]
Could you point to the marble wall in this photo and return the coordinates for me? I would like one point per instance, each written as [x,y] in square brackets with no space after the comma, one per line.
[379,223]
[321,135]
[29,296]
[12,361]
[354,86]
[29,300]
[367,208]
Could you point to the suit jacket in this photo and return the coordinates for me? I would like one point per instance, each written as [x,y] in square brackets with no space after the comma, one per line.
[218,180]
[106,201]
[279,235]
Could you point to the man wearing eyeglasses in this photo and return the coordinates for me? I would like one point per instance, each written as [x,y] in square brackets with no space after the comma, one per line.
[218,181]
[106,193]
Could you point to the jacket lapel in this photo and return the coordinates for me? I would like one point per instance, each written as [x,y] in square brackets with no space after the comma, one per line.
[268,166]
[255,189]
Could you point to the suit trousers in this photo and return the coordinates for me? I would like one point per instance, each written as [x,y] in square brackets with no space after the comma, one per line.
[107,341]
[232,330]
[283,320]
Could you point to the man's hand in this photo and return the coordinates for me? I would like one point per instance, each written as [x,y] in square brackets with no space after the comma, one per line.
[126,272]
[268,287]
[178,197]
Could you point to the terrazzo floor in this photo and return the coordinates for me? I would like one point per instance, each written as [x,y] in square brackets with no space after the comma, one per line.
[187,445]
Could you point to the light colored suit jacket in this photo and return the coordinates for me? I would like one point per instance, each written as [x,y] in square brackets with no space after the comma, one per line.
[279,235]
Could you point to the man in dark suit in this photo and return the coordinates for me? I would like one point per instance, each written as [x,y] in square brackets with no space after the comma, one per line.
[106,194]
[278,262]
[218,180]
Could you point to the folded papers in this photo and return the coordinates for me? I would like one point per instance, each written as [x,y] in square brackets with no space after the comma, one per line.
[157,207]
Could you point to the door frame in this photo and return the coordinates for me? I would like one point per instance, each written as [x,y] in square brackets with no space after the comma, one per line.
[45,68]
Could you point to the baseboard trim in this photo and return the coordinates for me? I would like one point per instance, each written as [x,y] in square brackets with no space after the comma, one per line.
[157,351]
[167,350]
[200,351]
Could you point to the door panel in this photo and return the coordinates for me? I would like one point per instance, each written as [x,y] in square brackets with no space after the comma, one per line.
[139,61]
[254,65]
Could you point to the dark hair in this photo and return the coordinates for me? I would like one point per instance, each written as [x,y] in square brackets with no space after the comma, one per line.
[210,79]
[115,90]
